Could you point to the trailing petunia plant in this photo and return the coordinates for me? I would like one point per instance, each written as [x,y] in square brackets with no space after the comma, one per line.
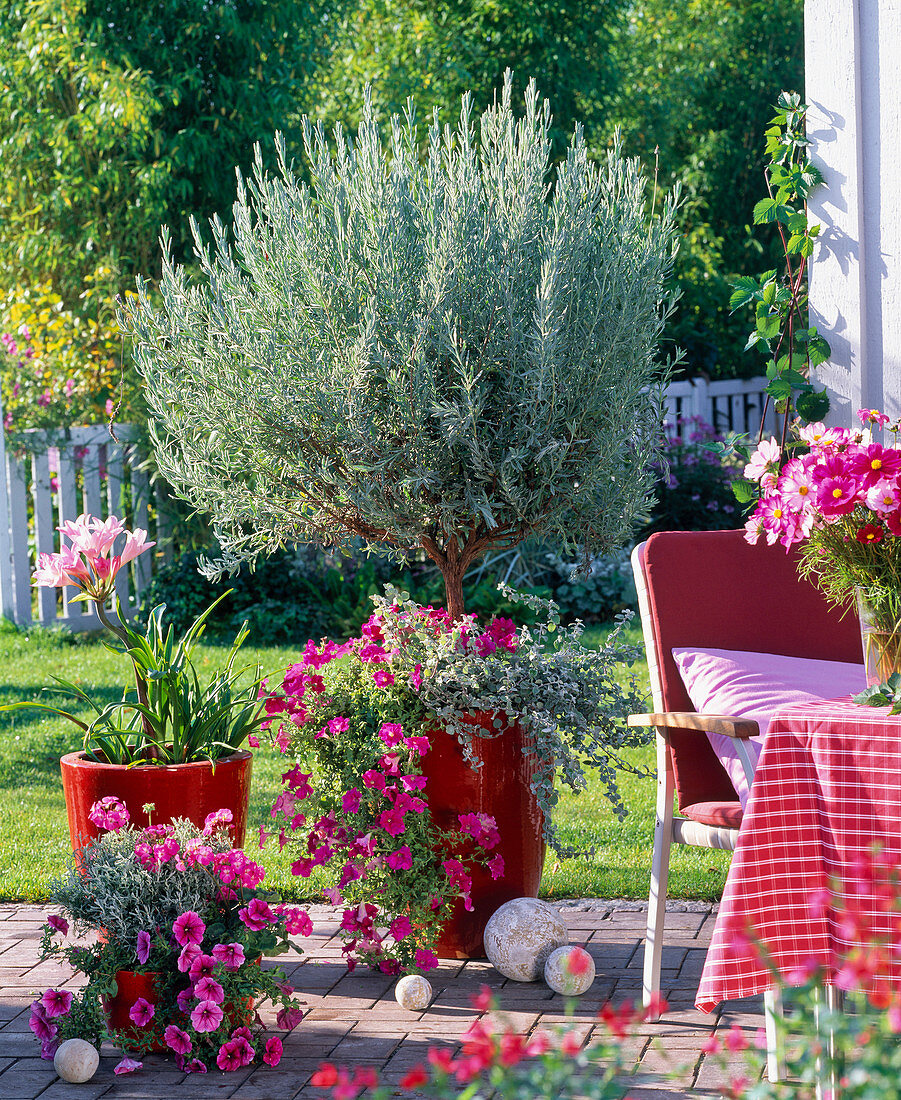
[182,906]
[360,718]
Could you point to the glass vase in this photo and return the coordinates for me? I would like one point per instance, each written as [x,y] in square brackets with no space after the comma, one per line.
[881,638]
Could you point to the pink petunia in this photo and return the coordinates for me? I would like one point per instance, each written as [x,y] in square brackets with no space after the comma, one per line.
[425,959]
[189,953]
[142,951]
[194,1066]
[58,924]
[288,1018]
[56,1002]
[127,1065]
[256,915]
[207,1016]
[350,801]
[142,1012]
[400,928]
[496,867]
[392,821]
[273,1052]
[229,1057]
[391,733]
[219,819]
[177,1040]
[188,928]
[40,1023]
[184,999]
[204,966]
[401,860]
[383,678]
[208,989]
[230,954]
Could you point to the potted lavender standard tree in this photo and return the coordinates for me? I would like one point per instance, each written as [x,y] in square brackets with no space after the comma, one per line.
[445,346]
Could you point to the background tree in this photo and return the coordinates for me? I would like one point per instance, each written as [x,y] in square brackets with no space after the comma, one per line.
[450,352]
[117,116]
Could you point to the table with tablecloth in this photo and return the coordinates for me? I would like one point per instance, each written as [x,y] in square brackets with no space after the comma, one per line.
[827,788]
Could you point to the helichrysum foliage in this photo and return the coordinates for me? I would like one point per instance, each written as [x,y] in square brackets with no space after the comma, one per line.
[447,345]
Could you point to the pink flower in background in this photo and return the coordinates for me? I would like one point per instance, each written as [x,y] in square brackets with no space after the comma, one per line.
[382,678]
[127,1065]
[764,460]
[350,801]
[46,399]
[496,867]
[868,417]
[109,407]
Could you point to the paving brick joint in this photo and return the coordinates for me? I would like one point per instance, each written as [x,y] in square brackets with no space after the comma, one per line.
[353,1019]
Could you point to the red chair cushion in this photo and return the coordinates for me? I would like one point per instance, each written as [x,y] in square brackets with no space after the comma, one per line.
[725,815]
[711,589]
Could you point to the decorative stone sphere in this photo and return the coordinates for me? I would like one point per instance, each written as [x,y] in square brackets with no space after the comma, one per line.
[413,992]
[76,1060]
[520,936]
[569,970]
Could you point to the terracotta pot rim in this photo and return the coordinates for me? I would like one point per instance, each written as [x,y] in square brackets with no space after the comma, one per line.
[80,759]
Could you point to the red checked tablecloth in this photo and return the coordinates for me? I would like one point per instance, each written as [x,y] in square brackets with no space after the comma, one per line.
[828,786]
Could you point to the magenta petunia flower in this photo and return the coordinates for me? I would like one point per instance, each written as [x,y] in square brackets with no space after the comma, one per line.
[208,989]
[383,678]
[273,1052]
[40,1023]
[288,1018]
[207,1016]
[56,1002]
[127,1065]
[400,928]
[230,954]
[142,951]
[350,801]
[229,1058]
[188,928]
[245,1050]
[194,1066]
[58,924]
[392,821]
[189,953]
[425,959]
[142,1012]
[177,1040]
[401,860]
[184,999]
[257,915]
[204,966]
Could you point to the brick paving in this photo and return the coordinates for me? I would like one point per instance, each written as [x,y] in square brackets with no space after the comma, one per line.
[353,1019]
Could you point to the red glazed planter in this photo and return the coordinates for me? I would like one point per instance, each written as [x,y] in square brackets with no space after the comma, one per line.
[131,985]
[176,790]
[500,788]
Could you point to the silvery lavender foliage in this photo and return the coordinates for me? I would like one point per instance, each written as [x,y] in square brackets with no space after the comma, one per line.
[448,347]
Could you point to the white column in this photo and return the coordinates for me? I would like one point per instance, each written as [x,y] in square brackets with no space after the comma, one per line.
[853,87]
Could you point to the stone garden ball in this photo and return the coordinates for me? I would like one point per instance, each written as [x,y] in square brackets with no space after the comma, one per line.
[569,970]
[521,935]
[413,992]
[76,1060]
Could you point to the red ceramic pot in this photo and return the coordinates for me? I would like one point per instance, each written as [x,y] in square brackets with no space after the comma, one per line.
[131,986]
[176,790]
[501,787]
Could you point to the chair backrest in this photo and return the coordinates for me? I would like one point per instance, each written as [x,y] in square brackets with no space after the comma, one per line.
[712,589]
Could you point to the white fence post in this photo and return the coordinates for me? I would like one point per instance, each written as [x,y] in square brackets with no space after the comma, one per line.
[7,603]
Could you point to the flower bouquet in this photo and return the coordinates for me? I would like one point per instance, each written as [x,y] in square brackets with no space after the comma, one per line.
[838,493]
[180,925]
[371,722]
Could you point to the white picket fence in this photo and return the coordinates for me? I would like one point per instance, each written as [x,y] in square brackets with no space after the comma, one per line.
[56,477]
[61,474]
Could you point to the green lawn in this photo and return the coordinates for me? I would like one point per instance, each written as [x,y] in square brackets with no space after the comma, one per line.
[34,837]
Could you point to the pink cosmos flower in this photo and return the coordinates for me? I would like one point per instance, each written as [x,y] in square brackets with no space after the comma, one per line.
[177,1040]
[207,1016]
[142,951]
[874,463]
[868,417]
[58,924]
[836,496]
[764,460]
[230,954]
[142,1012]
[208,989]
[884,497]
[401,860]
[56,1002]
[425,959]
[127,1065]
[188,928]
[273,1052]
[109,813]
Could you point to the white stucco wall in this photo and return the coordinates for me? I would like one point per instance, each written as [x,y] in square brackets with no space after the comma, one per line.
[853,87]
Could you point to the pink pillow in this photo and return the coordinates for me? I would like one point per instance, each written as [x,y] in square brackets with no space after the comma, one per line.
[756,685]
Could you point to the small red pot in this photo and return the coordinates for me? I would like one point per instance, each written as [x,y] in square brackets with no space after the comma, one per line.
[176,790]
[131,986]
[501,788]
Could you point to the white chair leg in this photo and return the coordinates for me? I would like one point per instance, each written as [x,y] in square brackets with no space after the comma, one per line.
[663,838]
[828,1002]
[775,1040]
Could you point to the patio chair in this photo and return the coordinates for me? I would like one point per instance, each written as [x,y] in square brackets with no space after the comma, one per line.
[712,589]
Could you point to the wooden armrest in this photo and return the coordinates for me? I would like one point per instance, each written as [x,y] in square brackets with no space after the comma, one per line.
[726,724]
